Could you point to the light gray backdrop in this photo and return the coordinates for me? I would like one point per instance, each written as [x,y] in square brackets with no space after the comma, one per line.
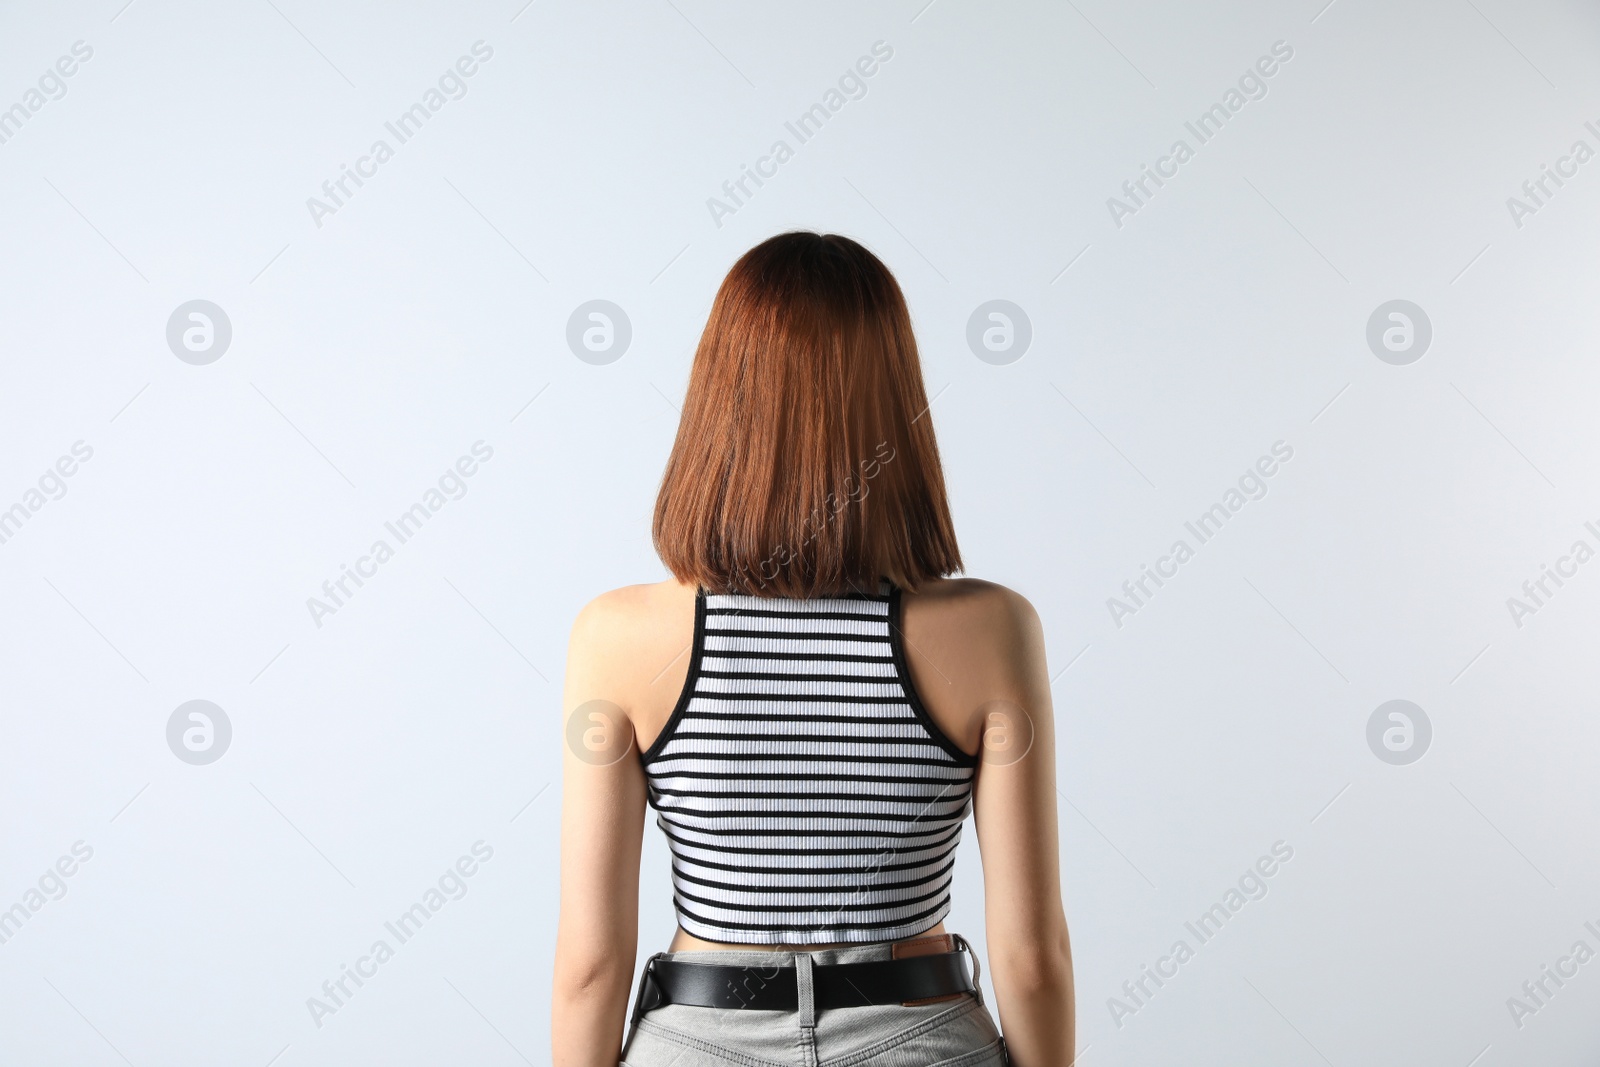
[177,498]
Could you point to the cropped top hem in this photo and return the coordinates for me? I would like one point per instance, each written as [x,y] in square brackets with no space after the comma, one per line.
[821,935]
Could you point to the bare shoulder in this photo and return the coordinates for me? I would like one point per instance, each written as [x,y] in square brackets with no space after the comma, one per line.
[617,611]
[972,608]
[627,640]
[969,642]
[971,593]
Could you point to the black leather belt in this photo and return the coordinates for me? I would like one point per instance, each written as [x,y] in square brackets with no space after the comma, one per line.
[775,988]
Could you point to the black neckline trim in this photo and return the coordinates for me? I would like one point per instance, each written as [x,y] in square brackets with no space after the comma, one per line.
[902,668]
[646,756]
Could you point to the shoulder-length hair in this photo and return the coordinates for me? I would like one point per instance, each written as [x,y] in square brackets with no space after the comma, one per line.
[805,461]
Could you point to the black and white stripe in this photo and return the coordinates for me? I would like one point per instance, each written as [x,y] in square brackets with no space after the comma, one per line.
[805,793]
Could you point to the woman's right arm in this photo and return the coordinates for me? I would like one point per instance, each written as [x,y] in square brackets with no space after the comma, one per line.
[602,826]
[1030,957]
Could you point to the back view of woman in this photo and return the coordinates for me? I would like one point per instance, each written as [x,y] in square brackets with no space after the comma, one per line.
[813,707]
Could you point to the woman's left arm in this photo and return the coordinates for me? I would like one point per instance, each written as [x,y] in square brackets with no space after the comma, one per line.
[602,825]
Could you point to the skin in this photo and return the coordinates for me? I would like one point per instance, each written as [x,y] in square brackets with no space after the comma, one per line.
[977,659]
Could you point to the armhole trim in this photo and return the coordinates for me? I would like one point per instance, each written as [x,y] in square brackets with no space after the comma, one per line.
[689,681]
[902,668]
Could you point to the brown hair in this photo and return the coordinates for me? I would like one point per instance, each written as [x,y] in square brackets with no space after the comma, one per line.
[804,462]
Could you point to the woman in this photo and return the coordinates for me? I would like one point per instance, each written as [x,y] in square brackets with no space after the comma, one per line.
[812,706]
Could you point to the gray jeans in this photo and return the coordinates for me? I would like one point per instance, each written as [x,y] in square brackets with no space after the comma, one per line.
[951,1033]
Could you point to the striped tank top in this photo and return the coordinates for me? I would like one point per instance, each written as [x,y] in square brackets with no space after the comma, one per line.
[806,795]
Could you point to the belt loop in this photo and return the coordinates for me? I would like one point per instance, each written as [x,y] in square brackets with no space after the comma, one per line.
[806,989]
[977,972]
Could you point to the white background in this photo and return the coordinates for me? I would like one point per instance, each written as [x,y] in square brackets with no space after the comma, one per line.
[1168,354]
